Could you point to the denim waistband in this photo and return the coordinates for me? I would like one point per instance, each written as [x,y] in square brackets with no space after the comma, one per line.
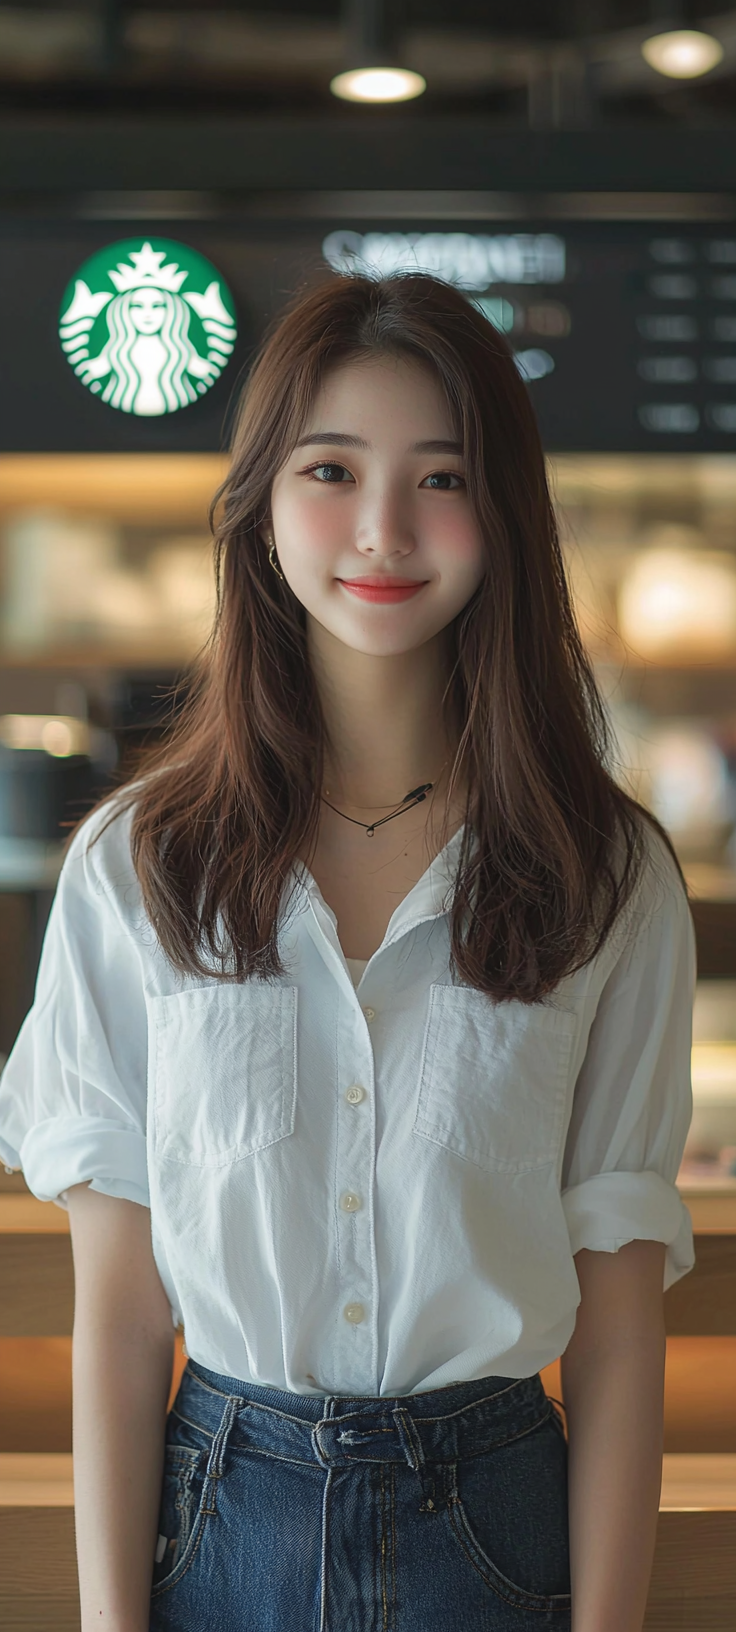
[442,1424]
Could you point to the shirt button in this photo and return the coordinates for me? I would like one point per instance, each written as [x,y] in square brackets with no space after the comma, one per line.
[354,1312]
[355,1093]
[369,1013]
[350,1202]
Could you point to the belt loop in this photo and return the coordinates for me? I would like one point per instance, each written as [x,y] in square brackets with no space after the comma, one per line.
[217,1452]
[413,1448]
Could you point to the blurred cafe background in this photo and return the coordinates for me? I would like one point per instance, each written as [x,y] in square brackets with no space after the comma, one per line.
[169,172]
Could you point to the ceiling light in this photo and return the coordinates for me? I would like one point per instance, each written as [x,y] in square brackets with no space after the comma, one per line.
[682,54]
[374,72]
[378,85]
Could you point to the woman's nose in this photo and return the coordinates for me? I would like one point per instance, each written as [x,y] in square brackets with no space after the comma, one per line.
[385,525]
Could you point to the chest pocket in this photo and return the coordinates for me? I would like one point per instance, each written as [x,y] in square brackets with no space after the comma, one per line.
[493,1079]
[222,1072]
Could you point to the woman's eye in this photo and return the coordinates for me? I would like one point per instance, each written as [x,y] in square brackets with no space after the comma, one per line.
[314,468]
[444,475]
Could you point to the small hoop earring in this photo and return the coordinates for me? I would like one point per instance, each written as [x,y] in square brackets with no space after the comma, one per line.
[271,551]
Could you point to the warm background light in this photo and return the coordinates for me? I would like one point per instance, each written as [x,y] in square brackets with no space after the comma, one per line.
[683,599]
[683,53]
[59,735]
[378,85]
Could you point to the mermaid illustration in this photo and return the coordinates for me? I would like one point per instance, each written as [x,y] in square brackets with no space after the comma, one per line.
[149,362]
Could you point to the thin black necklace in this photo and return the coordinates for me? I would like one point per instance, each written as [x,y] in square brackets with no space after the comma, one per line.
[415,794]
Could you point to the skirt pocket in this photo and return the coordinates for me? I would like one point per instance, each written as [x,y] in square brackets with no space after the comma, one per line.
[508,1513]
[182,1488]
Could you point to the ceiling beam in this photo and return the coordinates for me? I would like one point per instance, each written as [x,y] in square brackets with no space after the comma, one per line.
[74,41]
[382,150]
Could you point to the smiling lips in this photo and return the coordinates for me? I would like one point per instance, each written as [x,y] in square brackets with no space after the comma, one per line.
[382,580]
[382,589]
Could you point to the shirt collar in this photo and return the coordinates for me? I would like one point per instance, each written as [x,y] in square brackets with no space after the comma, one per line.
[429,897]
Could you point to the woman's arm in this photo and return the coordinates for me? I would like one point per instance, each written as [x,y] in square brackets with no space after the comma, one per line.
[613,1389]
[122,1367]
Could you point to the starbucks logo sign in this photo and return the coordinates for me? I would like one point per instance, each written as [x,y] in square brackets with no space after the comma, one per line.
[148,325]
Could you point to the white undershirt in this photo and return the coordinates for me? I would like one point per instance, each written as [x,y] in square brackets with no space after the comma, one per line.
[356,967]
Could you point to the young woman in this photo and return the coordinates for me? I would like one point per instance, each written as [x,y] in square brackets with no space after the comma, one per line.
[382,1095]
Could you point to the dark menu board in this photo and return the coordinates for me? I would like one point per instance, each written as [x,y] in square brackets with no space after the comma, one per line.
[625,332]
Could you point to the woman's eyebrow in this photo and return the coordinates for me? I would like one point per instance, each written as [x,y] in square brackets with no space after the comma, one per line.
[341,440]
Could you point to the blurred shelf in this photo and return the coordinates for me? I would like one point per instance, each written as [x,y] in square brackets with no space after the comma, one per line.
[715,932]
[712,1208]
[30,864]
[36,1479]
[674,663]
[104,656]
[708,882]
[149,487]
[691,1483]
[26,1215]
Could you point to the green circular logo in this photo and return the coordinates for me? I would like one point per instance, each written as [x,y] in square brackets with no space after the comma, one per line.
[147,325]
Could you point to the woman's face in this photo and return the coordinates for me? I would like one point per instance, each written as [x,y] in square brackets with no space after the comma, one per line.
[147,309]
[384,507]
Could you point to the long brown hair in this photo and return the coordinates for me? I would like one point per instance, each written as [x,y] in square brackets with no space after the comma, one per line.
[225,803]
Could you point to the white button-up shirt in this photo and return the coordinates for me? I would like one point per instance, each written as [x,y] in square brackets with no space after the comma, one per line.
[372,1189]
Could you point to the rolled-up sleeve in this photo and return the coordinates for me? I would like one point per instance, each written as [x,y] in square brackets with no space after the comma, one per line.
[633,1099]
[73,1090]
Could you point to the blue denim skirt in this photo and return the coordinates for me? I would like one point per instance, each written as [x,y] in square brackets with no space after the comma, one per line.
[287,1512]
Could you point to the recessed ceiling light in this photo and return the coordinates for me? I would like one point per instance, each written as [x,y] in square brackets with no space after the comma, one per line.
[682,54]
[378,85]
